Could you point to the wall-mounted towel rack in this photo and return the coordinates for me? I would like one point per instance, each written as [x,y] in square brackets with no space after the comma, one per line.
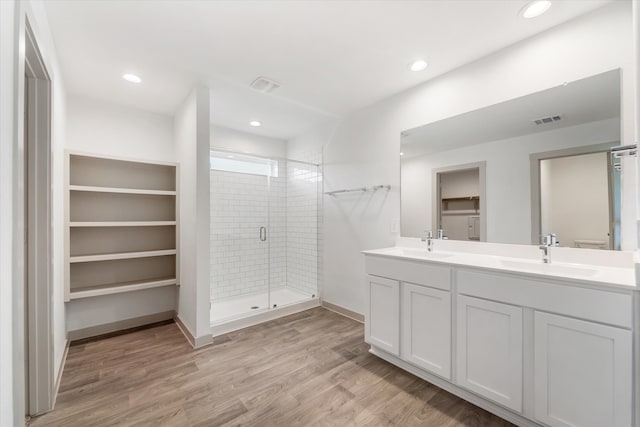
[359,189]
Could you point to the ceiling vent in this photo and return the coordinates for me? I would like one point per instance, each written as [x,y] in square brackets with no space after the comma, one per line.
[547,120]
[264,85]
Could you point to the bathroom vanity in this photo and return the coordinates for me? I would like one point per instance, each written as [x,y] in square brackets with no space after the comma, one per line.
[537,344]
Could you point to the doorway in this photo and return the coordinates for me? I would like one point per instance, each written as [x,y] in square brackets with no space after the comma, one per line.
[576,195]
[460,201]
[39,381]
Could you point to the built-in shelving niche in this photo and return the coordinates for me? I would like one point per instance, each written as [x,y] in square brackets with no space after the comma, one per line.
[122,222]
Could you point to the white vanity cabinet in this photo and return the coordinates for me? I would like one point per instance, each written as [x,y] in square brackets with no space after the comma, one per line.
[582,373]
[409,312]
[537,351]
[382,325]
[489,350]
[426,328]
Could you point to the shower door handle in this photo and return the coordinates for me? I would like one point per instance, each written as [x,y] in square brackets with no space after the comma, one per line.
[263,234]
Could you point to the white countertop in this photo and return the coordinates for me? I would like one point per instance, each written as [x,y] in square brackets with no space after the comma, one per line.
[609,276]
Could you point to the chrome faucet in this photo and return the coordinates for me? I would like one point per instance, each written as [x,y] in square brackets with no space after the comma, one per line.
[548,241]
[441,235]
[428,237]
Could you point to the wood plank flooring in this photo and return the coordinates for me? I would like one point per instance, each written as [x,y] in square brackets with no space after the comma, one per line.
[309,369]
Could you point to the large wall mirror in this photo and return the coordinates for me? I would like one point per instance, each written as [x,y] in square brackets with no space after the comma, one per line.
[514,171]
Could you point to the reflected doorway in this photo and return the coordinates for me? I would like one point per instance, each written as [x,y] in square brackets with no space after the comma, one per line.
[577,197]
[460,202]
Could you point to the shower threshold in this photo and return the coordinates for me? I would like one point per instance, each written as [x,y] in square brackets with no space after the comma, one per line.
[240,312]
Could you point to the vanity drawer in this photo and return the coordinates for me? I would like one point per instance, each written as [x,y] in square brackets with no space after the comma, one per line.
[408,271]
[591,304]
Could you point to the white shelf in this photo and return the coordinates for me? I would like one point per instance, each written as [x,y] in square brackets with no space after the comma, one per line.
[121,190]
[117,288]
[121,218]
[460,212]
[123,255]
[121,223]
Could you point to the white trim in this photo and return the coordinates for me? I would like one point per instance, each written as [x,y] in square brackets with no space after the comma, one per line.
[63,361]
[121,223]
[120,325]
[196,342]
[223,327]
[121,190]
[353,315]
[121,255]
[120,288]
[70,152]
[37,219]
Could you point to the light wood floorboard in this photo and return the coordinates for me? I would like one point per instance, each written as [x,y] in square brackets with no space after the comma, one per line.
[308,369]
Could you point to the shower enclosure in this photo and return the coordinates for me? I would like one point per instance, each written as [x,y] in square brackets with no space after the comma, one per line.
[264,237]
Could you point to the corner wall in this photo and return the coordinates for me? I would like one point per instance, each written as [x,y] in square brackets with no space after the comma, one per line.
[191,138]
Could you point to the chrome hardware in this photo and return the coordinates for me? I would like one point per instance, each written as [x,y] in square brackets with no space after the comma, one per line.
[428,237]
[263,234]
[548,241]
[441,235]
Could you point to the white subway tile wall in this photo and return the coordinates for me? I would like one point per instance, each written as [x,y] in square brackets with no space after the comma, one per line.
[240,205]
[302,227]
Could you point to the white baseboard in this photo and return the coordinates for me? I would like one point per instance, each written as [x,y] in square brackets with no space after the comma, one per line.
[56,386]
[343,311]
[120,325]
[196,342]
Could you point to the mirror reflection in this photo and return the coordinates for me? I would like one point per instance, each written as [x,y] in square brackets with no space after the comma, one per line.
[515,171]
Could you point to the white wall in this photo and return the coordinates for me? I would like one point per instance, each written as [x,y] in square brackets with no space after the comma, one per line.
[104,128]
[8,134]
[192,138]
[574,198]
[364,147]
[12,42]
[244,142]
[508,178]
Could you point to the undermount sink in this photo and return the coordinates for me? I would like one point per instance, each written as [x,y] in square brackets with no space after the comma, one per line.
[540,267]
[422,253]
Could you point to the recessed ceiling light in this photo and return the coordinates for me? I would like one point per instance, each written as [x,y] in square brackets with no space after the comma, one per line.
[536,8]
[418,65]
[255,123]
[401,153]
[131,78]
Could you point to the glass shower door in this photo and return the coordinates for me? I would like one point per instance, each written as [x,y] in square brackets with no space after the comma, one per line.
[240,187]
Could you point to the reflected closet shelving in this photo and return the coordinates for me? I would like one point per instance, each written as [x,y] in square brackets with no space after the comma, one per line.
[121,217]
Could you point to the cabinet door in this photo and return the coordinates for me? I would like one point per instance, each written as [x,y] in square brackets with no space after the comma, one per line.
[382,321]
[489,350]
[426,328]
[582,373]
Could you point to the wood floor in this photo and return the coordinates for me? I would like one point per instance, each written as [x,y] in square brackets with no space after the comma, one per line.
[308,369]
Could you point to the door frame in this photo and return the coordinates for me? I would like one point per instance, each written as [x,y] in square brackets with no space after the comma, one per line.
[37,230]
[437,197]
[536,201]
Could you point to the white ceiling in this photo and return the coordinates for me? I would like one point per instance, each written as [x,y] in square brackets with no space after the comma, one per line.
[331,57]
[582,101]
